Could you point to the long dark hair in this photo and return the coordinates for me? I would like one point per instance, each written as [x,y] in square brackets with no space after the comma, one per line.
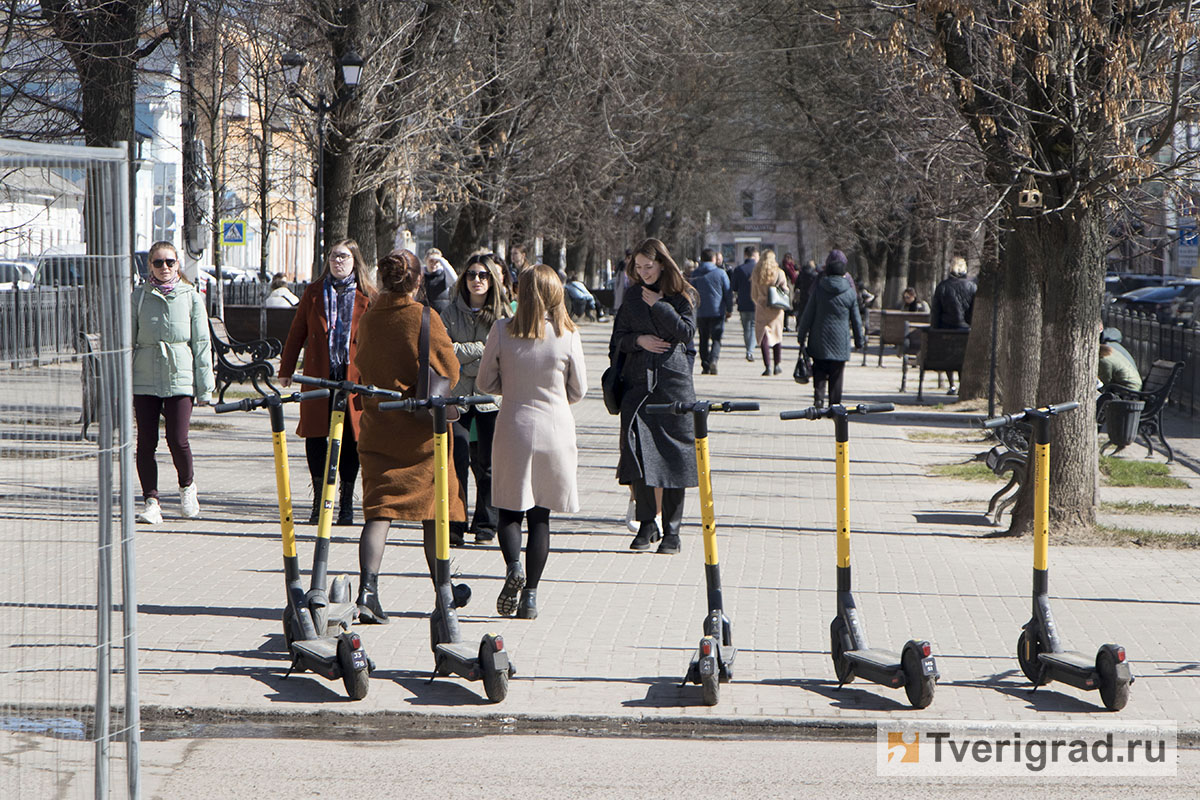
[494,305]
[671,281]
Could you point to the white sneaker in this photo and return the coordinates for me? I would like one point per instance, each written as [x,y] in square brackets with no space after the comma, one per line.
[630,513]
[189,503]
[152,513]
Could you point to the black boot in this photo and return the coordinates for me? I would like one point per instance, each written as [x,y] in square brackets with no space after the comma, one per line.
[315,515]
[672,515]
[346,505]
[527,607]
[370,612]
[648,533]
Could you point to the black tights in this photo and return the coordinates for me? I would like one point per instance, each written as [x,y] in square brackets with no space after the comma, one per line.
[374,536]
[769,350]
[537,550]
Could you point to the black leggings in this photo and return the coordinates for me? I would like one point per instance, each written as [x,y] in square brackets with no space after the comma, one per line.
[478,461]
[147,408]
[825,371]
[538,548]
[314,451]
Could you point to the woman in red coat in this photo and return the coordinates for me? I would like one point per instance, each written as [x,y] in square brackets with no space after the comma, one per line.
[326,328]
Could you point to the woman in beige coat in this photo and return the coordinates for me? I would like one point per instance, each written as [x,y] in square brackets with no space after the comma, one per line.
[768,321]
[536,361]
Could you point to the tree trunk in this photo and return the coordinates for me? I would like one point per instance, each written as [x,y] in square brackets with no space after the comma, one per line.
[360,224]
[975,379]
[387,220]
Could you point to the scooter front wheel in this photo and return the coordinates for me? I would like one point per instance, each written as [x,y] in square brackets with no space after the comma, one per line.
[1114,690]
[917,685]
[356,680]
[837,649]
[710,688]
[1028,647]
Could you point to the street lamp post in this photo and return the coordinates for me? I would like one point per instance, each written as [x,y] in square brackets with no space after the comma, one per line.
[351,65]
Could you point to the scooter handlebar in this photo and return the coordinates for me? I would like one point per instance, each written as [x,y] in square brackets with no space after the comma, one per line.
[679,407]
[251,403]
[812,412]
[412,403]
[735,405]
[237,405]
[871,408]
[1046,411]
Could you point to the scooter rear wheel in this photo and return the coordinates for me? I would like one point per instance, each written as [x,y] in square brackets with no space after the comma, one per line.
[495,682]
[1028,647]
[710,689]
[917,685]
[356,681]
[1114,691]
[837,649]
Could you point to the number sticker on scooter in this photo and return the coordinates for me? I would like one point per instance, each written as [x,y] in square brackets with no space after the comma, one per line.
[358,658]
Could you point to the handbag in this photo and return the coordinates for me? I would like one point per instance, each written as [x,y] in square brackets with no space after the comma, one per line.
[777,298]
[803,371]
[429,382]
[612,386]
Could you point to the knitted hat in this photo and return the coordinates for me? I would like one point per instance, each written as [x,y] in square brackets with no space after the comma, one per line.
[835,263]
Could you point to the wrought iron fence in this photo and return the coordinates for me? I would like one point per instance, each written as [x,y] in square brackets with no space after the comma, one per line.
[1149,340]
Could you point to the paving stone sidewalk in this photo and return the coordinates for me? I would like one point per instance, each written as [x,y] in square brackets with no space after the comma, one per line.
[617,627]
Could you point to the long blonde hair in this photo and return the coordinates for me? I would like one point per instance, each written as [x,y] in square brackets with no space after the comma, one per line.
[766,271]
[539,294]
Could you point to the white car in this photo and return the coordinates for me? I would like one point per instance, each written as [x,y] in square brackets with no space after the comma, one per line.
[18,274]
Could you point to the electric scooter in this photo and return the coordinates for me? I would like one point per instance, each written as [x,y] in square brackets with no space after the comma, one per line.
[316,624]
[1039,650]
[914,667]
[712,663]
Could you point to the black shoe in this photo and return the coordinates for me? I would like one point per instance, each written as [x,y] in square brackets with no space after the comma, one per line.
[462,594]
[458,534]
[670,544]
[704,369]
[484,535]
[527,608]
[514,582]
[345,516]
[712,369]
[648,533]
[749,357]
[370,611]
[778,369]
[315,515]
[766,372]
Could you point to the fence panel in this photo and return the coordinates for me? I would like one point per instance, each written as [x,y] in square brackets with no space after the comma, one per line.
[1149,340]
[66,499]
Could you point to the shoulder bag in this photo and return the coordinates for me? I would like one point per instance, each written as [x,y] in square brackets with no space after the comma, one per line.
[429,382]
[777,298]
[611,384]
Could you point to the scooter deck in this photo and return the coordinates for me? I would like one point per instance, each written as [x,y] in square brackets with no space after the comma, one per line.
[1072,668]
[880,659]
[324,649]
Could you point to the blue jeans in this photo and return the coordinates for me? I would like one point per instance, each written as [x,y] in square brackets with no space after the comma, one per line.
[748,333]
[710,329]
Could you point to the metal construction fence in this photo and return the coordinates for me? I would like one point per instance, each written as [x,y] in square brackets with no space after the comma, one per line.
[1149,340]
[68,728]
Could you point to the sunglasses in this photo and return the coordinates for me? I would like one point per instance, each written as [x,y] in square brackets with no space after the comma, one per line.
[164,262]
[477,275]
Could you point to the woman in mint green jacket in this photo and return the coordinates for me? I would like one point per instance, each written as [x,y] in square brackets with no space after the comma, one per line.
[172,368]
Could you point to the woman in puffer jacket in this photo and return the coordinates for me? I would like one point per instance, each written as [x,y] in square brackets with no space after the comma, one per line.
[827,321]
[172,371]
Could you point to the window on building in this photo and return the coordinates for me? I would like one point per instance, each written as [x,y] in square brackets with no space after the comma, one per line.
[747,204]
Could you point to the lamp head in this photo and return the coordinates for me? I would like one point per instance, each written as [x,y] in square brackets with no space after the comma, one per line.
[351,65]
[293,65]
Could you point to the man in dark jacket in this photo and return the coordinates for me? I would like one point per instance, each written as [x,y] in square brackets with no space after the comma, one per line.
[745,302]
[952,304]
[827,321]
[716,304]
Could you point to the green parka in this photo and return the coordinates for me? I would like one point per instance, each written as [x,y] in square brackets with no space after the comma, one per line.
[171,351]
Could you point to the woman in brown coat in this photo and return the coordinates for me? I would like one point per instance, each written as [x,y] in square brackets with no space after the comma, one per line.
[320,328]
[396,448]
[768,320]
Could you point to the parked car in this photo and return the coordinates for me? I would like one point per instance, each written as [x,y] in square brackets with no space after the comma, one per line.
[15,274]
[1163,302]
[1118,283]
[64,269]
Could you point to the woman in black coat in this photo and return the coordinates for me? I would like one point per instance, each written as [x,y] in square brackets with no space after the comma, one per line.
[831,313]
[653,331]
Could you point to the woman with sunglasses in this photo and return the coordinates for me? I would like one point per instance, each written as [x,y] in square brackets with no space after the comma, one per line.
[172,370]
[326,329]
[478,301]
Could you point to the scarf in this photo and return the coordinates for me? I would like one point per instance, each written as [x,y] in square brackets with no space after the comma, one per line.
[162,286]
[339,311]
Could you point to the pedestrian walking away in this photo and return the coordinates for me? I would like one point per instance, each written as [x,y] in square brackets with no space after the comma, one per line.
[654,329]
[714,305]
[952,304]
[742,286]
[326,329]
[396,449]
[768,320]
[535,360]
[827,323]
[172,371]
[479,300]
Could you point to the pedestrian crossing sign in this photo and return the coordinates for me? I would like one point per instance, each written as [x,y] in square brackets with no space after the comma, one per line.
[233,231]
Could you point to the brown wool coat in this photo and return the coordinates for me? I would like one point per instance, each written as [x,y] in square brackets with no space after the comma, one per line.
[395,448]
[310,332]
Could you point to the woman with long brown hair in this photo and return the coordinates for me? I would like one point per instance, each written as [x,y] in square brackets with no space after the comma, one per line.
[653,330]
[326,329]
[768,320]
[478,300]
[535,360]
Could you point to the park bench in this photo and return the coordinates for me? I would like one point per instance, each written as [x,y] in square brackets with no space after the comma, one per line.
[893,329]
[1010,455]
[1156,389]
[238,362]
[941,350]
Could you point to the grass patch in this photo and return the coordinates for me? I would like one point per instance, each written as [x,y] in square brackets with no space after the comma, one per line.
[972,471]
[1147,507]
[210,425]
[1137,537]
[1148,474]
[935,436]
